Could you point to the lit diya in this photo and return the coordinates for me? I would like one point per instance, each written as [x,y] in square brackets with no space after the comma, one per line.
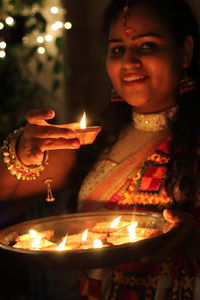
[86,134]
[102,234]
[85,240]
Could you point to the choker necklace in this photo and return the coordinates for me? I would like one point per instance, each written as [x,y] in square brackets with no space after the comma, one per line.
[154,121]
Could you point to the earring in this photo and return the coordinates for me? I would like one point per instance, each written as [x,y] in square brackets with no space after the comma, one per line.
[115,97]
[187,84]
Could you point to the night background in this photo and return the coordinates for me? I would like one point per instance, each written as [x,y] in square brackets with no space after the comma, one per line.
[52,55]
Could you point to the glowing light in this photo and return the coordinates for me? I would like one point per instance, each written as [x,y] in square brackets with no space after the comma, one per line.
[83,121]
[62,244]
[97,244]
[40,39]
[10,21]
[36,242]
[41,50]
[25,40]
[2,45]
[54,10]
[114,223]
[33,233]
[1,25]
[132,233]
[68,25]
[84,236]
[2,53]
[57,25]
[48,37]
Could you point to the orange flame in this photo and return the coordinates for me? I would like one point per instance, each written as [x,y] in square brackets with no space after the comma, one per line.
[97,244]
[85,235]
[132,232]
[61,246]
[83,121]
[114,223]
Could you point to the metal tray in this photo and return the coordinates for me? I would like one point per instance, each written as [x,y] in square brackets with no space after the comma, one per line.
[86,258]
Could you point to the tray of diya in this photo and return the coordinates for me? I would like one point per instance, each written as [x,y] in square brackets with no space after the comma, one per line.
[84,240]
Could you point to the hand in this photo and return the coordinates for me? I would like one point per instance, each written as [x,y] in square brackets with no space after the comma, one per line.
[179,236]
[39,136]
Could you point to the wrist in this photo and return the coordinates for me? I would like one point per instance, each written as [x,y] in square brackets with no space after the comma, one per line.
[13,163]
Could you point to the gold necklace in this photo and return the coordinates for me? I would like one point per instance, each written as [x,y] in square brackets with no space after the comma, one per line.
[154,121]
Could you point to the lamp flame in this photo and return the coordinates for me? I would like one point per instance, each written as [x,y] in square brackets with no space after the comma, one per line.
[114,223]
[36,242]
[33,233]
[83,121]
[97,244]
[62,244]
[132,232]
[84,236]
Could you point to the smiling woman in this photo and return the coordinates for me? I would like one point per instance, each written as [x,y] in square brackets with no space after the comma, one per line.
[136,57]
[145,158]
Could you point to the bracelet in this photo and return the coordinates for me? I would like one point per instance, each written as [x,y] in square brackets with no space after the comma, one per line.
[13,164]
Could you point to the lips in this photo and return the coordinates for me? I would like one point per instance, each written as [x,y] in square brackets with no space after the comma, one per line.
[134,79]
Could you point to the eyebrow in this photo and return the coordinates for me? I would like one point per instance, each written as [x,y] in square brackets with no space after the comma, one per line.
[138,36]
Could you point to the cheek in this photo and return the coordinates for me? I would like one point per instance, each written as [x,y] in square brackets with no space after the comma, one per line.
[166,71]
[112,67]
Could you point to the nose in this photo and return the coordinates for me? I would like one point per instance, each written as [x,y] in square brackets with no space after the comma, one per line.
[131,59]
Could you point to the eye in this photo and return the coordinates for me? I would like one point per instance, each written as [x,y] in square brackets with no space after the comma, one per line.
[117,50]
[148,46]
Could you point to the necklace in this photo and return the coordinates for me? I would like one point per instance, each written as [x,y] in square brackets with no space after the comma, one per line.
[154,121]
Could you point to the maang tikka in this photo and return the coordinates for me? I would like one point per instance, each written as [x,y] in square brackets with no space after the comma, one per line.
[115,97]
[125,14]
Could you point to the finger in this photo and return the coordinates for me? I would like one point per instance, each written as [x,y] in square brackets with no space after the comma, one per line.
[55,144]
[48,131]
[39,116]
[174,216]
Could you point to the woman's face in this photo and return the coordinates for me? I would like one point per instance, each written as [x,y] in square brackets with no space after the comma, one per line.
[144,63]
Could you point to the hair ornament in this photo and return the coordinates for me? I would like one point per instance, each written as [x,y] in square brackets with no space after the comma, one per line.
[126,10]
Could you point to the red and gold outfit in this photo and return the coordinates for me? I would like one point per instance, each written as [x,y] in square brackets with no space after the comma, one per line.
[138,183]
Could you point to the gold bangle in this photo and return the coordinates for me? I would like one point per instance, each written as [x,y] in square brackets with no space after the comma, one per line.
[13,164]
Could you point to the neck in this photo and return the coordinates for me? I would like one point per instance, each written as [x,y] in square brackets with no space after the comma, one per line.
[155,121]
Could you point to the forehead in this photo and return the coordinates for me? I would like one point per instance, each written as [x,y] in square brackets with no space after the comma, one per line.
[141,18]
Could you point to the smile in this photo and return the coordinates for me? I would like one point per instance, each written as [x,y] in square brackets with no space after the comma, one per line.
[134,79]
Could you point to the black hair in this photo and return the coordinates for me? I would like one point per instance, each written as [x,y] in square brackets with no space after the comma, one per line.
[183,167]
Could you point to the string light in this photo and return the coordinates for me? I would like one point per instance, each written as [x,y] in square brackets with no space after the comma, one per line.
[53,29]
[2,45]
[1,25]
[57,25]
[68,25]
[25,40]
[10,21]
[40,39]
[54,10]
[41,50]
[48,37]
[2,53]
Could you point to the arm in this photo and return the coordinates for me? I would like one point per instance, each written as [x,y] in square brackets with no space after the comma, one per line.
[39,136]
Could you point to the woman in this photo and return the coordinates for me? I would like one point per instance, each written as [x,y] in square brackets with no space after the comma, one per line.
[147,154]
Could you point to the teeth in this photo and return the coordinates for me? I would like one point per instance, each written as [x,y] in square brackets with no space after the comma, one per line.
[132,79]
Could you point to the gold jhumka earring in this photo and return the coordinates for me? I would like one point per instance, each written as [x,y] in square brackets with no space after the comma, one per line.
[186,84]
